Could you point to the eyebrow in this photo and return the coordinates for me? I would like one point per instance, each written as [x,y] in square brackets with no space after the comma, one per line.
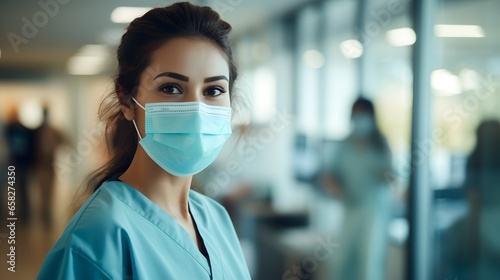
[186,79]
[173,75]
[215,78]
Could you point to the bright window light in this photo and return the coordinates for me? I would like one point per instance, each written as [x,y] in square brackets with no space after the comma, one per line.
[445,83]
[351,48]
[469,79]
[127,14]
[401,37]
[458,31]
[398,230]
[264,95]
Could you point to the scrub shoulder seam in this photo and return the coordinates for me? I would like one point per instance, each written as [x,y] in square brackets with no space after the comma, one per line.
[94,264]
[85,209]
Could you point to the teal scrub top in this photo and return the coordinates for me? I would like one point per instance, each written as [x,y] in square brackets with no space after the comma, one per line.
[121,234]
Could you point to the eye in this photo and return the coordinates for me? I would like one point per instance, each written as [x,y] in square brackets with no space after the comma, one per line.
[214,91]
[170,89]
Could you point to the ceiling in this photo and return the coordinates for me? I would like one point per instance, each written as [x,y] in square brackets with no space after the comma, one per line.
[80,22]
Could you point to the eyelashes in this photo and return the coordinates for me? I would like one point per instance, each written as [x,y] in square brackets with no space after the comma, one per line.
[175,89]
[170,89]
[214,91]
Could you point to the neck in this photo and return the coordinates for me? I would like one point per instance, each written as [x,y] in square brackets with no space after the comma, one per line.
[166,190]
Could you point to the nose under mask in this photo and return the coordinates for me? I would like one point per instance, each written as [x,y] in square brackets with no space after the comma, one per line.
[183,138]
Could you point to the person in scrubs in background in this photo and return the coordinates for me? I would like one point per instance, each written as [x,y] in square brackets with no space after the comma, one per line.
[471,248]
[168,119]
[357,177]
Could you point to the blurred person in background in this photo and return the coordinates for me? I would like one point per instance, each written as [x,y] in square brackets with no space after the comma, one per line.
[169,116]
[21,154]
[48,140]
[472,244]
[3,166]
[357,178]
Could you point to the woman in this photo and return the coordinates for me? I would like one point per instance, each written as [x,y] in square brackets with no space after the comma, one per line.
[472,245]
[358,178]
[170,120]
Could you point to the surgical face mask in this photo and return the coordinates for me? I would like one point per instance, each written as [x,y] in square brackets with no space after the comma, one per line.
[183,138]
[363,123]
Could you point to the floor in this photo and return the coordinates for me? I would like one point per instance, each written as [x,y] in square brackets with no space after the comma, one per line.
[32,239]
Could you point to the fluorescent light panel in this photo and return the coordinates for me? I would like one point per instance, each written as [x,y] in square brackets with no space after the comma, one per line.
[127,14]
[89,60]
[314,59]
[401,37]
[458,31]
[351,48]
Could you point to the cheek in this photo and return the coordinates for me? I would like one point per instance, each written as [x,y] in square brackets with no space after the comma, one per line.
[227,99]
[223,100]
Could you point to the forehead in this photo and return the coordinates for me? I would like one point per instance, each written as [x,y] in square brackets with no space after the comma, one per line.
[193,57]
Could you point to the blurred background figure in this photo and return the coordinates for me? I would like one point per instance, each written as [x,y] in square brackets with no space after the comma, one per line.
[472,249]
[3,166]
[358,178]
[48,140]
[21,150]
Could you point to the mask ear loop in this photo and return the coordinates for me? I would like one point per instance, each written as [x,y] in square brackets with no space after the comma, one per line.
[136,102]
[133,121]
[136,129]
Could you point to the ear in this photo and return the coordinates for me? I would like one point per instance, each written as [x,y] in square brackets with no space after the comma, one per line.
[127,105]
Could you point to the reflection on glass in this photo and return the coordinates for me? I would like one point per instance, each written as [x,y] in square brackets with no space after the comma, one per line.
[466,159]
[472,244]
[357,178]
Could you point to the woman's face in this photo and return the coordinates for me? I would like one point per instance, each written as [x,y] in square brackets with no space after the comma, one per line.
[182,70]
[186,69]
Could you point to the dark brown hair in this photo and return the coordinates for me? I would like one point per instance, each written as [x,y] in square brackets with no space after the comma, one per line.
[143,36]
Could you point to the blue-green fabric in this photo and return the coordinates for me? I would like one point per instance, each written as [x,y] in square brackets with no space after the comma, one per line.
[121,234]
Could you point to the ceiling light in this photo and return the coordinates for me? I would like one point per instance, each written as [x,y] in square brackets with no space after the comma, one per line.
[85,65]
[89,60]
[458,31]
[351,48]
[95,50]
[401,37]
[127,14]
[313,59]
[30,114]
